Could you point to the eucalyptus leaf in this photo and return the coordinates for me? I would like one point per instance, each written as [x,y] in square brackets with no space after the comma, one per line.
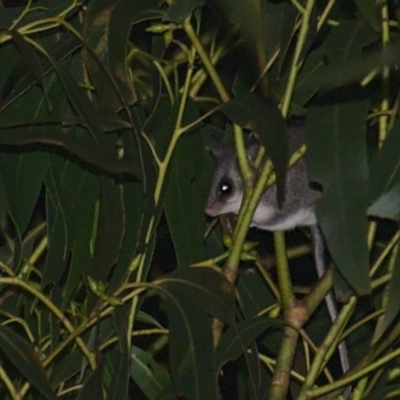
[151,377]
[337,159]
[24,358]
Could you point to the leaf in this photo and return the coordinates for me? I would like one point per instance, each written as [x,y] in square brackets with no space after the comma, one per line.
[253,293]
[8,57]
[393,306]
[85,109]
[384,391]
[385,178]
[141,316]
[31,60]
[346,63]
[24,358]
[245,19]
[279,20]
[161,125]
[81,104]
[92,388]
[337,159]
[211,291]
[58,246]
[183,205]
[67,367]
[192,295]
[180,9]
[151,377]
[74,192]
[120,316]
[371,12]
[132,198]
[81,254]
[238,337]
[253,112]
[22,175]
[20,80]
[348,40]
[22,171]
[106,30]
[306,85]
[120,376]
[110,230]
[388,205]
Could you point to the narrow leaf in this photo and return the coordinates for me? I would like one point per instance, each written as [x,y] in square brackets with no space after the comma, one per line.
[192,295]
[393,305]
[24,358]
[385,178]
[337,159]
[151,377]
[237,338]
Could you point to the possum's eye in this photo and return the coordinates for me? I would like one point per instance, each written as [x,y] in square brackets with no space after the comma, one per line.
[225,188]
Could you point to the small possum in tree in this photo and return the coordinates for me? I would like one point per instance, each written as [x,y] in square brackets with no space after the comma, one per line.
[298,209]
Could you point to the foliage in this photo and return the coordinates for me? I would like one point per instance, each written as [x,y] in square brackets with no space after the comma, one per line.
[114,284]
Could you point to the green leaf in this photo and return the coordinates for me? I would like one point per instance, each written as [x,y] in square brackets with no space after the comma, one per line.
[237,338]
[393,305]
[183,202]
[347,40]
[151,377]
[306,85]
[148,319]
[110,230]
[385,178]
[70,365]
[132,198]
[58,246]
[279,20]
[337,159]
[23,171]
[92,388]
[59,46]
[22,175]
[387,205]
[120,376]
[8,56]
[81,104]
[370,10]
[180,9]
[32,60]
[208,288]
[343,50]
[73,192]
[120,316]
[253,292]
[106,30]
[192,295]
[384,391]
[81,253]
[161,125]
[246,20]
[24,358]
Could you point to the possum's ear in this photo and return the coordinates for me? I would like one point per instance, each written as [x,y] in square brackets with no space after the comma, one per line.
[216,148]
[252,146]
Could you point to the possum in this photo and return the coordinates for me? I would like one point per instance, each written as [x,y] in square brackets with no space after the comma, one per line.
[298,208]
